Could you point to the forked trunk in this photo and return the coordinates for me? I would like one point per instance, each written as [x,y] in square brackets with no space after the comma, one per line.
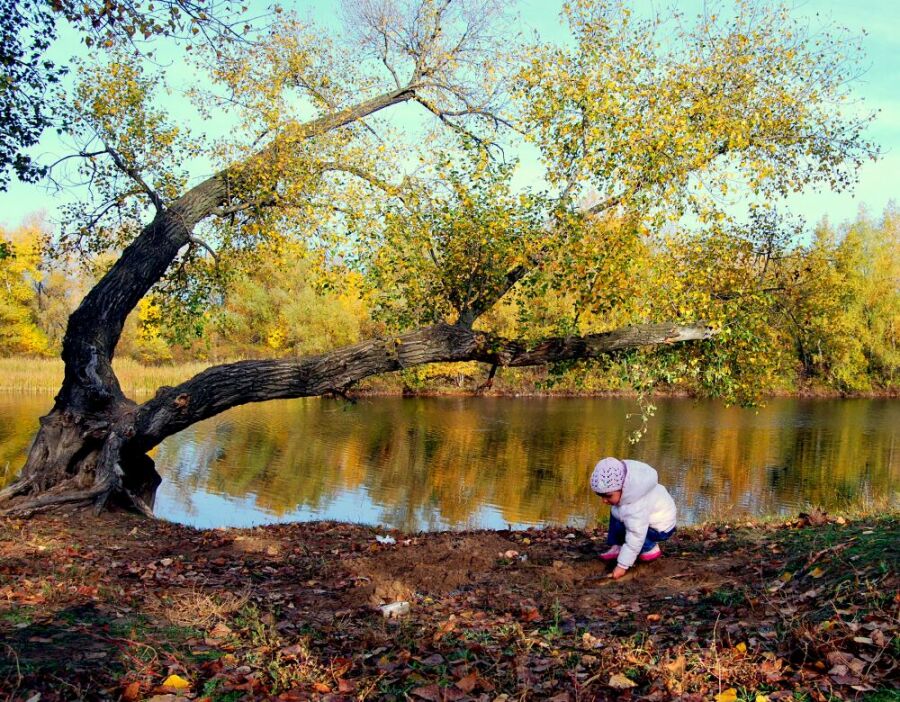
[79,459]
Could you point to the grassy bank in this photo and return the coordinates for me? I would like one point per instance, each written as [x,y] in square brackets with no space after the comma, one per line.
[119,607]
[45,375]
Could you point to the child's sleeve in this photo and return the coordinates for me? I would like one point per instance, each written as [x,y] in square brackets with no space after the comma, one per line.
[635,535]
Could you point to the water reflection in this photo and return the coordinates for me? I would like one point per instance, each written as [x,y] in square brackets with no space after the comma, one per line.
[490,462]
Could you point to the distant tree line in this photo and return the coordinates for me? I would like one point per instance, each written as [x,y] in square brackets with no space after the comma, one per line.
[832,312]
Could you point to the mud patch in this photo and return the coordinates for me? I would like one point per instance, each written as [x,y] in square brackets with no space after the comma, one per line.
[444,563]
[433,566]
[256,544]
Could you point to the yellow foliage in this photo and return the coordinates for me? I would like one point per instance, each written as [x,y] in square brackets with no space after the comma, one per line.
[20,275]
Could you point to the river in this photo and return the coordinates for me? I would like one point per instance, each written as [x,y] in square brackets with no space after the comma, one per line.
[465,462]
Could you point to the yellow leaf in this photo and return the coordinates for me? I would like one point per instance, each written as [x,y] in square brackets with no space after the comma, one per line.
[729,695]
[816,572]
[762,698]
[620,682]
[786,577]
[176,682]
[741,647]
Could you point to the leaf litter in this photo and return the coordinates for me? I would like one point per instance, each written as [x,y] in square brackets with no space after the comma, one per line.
[117,607]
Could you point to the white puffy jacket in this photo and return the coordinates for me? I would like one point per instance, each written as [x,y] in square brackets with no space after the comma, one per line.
[644,504]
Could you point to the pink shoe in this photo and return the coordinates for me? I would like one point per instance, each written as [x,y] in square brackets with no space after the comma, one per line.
[651,555]
[610,554]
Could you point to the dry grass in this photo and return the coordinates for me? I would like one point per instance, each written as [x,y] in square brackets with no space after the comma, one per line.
[202,610]
[45,374]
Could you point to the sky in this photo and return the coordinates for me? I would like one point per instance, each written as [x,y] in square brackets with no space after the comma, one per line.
[878,89]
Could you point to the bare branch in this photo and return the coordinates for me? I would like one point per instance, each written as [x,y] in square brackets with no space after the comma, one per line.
[199,242]
[135,175]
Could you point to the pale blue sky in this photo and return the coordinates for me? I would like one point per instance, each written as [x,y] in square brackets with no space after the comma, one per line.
[878,88]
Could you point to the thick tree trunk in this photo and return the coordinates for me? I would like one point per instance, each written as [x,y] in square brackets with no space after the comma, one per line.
[82,454]
[91,457]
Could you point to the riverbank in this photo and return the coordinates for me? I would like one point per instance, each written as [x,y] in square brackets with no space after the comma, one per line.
[120,607]
[45,375]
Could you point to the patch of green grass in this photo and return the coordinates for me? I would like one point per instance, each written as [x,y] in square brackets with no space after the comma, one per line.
[205,656]
[882,696]
[19,615]
[178,634]
[728,597]
[397,688]
[481,636]
[253,623]
[133,625]
[211,689]
[554,630]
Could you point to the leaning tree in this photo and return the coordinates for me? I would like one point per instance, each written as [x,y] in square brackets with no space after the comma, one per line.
[642,126]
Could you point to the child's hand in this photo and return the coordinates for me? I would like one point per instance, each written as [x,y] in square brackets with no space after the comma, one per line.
[618,572]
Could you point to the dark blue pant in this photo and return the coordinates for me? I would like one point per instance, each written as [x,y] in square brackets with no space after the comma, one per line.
[616,534]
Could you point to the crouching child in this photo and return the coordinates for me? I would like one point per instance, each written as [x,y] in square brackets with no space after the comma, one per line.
[642,511]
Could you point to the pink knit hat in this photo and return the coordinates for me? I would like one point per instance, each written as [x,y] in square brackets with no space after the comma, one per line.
[608,475]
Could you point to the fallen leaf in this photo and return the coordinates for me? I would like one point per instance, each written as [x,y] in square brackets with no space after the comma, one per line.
[132,692]
[845,680]
[468,683]
[176,682]
[346,686]
[761,698]
[677,666]
[292,652]
[741,647]
[432,693]
[620,682]
[654,617]
[729,695]
[816,572]
[591,641]
[531,614]
[219,631]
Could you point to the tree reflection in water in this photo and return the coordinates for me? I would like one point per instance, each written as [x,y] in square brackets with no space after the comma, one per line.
[469,462]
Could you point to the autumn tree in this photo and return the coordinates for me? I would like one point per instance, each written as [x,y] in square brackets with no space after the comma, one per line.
[842,306]
[653,126]
[30,79]
[20,281]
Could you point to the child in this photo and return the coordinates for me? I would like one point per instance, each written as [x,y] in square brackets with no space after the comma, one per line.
[643,512]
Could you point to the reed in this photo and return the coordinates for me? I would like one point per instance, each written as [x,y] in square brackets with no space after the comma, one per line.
[45,374]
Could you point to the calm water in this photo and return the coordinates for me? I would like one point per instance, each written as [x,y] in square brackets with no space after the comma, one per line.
[493,462]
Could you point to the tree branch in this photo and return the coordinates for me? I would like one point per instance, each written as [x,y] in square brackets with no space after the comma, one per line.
[221,387]
[135,175]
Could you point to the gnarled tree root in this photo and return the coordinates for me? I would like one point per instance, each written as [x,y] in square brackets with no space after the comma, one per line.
[72,497]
